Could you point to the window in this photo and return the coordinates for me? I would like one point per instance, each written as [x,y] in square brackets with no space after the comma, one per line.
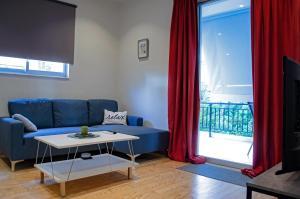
[33,67]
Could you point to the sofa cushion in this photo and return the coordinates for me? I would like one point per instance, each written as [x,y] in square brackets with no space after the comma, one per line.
[68,113]
[96,109]
[151,139]
[52,131]
[38,111]
[130,130]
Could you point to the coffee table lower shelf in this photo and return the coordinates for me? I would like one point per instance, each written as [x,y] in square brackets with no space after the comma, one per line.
[73,169]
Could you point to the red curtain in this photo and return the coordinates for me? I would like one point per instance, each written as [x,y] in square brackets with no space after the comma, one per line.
[275,33]
[183,82]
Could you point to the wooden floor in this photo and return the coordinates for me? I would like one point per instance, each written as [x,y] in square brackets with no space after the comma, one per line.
[155,178]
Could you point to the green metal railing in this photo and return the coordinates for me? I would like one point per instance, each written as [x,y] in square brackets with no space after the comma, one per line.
[226,118]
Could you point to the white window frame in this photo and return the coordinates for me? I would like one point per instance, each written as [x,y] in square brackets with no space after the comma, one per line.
[39,73]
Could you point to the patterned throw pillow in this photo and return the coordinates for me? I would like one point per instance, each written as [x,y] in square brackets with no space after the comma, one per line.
[115,117]
[29,126]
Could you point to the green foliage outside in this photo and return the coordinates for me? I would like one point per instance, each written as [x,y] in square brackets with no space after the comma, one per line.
[226,118]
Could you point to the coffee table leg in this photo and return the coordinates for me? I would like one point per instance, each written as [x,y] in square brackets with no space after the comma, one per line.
[130,169]
[68,153]
[51,161]
[37,152]
[99,148]
[42,177]
[130,173]
[62,187]
[71,167]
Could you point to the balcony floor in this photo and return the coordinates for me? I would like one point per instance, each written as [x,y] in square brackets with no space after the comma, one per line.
[225,147]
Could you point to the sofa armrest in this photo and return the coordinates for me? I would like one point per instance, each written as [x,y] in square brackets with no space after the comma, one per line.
[134,121]
[11,136]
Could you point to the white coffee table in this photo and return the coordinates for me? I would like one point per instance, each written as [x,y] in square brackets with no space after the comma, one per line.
[77,168]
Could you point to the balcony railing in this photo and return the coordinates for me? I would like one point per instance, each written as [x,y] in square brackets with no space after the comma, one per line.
[226,118]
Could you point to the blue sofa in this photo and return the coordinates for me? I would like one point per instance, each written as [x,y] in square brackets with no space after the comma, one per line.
[61,116]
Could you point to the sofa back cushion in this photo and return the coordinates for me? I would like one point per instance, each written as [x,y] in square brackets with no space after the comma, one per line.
[38,111]
[96,109]
[69,112]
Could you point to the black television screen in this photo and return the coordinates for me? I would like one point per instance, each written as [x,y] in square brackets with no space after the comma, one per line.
[291,116]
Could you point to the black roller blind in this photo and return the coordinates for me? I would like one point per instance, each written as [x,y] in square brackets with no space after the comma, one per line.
[37,29]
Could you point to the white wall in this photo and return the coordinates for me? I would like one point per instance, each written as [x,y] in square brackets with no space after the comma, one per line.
[106,64]
[143,85]
[96,60]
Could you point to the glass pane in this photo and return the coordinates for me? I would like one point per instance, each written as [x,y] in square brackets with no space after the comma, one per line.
[226,71]
[12,63]
[46,66]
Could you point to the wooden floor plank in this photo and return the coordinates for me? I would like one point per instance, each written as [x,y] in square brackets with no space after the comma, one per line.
[155,178]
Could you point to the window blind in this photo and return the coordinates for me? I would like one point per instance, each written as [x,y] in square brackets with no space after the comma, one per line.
[37,29]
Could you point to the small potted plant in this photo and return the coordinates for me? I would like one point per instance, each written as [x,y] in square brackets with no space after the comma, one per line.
[84,130]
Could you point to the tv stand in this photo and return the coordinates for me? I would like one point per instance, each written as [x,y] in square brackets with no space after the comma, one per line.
[277,183]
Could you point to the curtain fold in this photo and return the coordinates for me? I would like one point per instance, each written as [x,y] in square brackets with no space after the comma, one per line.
[183,83]
[275,33]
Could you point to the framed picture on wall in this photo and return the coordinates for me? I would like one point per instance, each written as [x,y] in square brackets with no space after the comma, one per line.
[143,48]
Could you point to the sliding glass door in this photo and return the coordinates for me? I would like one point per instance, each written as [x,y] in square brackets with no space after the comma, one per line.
[226,120]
